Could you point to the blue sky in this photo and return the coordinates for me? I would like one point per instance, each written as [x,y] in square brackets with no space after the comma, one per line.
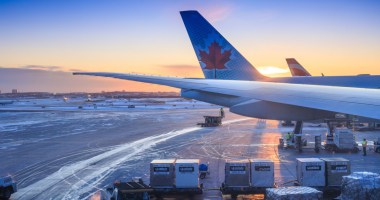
[334,37]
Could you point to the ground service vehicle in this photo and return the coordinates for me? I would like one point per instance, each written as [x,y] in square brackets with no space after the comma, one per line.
[7,187]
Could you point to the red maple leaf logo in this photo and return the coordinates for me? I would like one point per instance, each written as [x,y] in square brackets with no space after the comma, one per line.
[215,59]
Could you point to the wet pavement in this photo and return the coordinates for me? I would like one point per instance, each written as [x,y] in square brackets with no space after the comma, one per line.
[72,155]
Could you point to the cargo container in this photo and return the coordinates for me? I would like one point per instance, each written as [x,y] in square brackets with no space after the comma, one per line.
[237,173]
[187,173]
[311,172]
[162,173]
[336,168]
[344,138]
[262,173]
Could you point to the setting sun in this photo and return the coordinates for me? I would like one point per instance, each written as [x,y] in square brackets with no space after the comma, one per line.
[273,71]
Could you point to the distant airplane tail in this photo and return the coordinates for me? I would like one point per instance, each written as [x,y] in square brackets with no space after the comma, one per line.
[217,57]
[296,69]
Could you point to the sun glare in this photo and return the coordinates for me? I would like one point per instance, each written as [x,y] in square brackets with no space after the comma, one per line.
[272,70]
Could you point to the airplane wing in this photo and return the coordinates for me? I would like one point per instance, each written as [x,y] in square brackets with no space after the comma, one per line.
[353,101]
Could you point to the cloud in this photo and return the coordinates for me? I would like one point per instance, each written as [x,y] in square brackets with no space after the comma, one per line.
[40,67]
[218,13]
[46,79]
[213,11]
[50,68]
[180,66]
[76,70]
[41,78]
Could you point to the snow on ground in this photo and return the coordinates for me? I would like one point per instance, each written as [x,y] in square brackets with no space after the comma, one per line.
[89,177]
[62,152]
[42,113]
[59,148]
[54,104]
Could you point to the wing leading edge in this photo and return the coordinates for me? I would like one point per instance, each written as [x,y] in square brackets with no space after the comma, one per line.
[311,98]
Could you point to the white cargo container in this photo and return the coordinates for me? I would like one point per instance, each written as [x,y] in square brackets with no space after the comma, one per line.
[237,173]
[262,173]
[162,173]
[336,168]
[187,173]
[311,172]
[344,138]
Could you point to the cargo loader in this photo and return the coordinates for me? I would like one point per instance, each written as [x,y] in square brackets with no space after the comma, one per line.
[211,121]
[340,138]
[295,140]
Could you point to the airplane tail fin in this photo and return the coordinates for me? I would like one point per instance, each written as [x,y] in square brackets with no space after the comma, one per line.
[217,57]
[296,69]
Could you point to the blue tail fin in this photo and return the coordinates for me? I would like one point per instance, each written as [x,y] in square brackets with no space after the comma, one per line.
[217,57]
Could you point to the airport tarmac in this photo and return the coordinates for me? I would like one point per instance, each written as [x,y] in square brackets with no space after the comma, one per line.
[57,154]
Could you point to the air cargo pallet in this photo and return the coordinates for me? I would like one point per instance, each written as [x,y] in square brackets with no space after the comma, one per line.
[329,192]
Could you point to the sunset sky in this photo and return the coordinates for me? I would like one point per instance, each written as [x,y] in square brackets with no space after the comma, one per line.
[43,41]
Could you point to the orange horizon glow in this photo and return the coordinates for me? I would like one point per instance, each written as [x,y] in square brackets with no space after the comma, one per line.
[129,37]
